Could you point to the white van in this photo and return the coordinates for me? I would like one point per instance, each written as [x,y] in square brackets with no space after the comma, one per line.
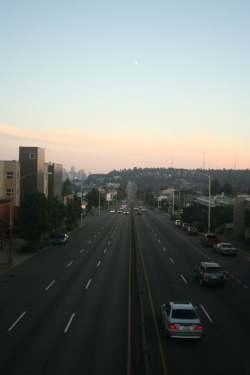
[178,223]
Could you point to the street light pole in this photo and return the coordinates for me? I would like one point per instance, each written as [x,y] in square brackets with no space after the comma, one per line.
[99,202]
[173,203]
[209,200]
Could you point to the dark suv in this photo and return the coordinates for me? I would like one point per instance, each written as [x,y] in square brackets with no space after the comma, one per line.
[210,273]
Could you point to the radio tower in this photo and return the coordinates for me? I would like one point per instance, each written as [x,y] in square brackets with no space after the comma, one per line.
[204,161]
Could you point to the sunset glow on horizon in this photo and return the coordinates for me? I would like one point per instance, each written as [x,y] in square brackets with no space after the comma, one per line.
[118,86]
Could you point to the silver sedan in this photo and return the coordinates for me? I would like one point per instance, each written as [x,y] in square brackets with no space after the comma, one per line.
[225,248]
[180,320]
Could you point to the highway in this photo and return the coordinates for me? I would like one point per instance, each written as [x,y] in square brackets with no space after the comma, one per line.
[168,258]
[92,306]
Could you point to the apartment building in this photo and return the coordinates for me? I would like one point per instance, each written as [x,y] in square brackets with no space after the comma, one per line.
[10,181]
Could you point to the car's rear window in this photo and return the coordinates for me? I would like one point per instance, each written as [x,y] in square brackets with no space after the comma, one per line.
[211,236]
[184,314]
[214,270]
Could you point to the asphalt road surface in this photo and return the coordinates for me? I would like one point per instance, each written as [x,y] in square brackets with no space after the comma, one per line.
[92,306]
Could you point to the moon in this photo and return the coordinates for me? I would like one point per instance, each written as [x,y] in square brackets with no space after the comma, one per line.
[136,62]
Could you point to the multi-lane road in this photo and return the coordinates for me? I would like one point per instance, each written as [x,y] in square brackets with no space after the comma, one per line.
[92,306]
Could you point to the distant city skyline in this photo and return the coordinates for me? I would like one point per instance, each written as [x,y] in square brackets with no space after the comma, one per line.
[109,85]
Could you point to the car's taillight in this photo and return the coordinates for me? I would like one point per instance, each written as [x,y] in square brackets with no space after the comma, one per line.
[225,276]
[173,326]
[198,327]
[204,276]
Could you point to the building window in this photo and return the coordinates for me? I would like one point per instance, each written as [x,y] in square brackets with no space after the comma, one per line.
[9,175]
[32,155]
[9,192]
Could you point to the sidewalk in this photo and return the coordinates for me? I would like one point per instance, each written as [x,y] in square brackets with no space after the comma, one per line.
[16,255]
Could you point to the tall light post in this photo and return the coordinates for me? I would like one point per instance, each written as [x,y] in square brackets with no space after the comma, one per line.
[99,202]
[10,258]
[209,200]
[173,203]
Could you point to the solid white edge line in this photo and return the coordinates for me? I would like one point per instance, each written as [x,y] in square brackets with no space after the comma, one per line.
[20,317]
[88,283]
[67,327]
[206,313]
[50,284]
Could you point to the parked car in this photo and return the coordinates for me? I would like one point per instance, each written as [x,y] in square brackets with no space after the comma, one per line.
[192,231]
[138,213]
[180,320]
[225,248]
[184,226]
[178,223]
[61,239]
[112,210]
[210,273]
[209,239]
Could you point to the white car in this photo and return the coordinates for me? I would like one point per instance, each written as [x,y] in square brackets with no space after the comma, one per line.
[180,320]
[178,223]
[225,248]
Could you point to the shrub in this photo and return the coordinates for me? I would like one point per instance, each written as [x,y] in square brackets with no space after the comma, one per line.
[35,246]
[200,226]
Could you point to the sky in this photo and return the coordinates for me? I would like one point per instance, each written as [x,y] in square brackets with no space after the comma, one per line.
[104,85]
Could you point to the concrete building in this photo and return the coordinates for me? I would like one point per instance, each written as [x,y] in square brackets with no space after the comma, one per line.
[55,180]
[241,204]
[33,171]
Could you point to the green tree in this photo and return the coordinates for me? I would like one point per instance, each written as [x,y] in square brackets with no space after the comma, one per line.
[221,215]
[67,188]
[215,186]
[121,193]
[73,210]
[57,213]
[34,218]
[227,188]
[93,199]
